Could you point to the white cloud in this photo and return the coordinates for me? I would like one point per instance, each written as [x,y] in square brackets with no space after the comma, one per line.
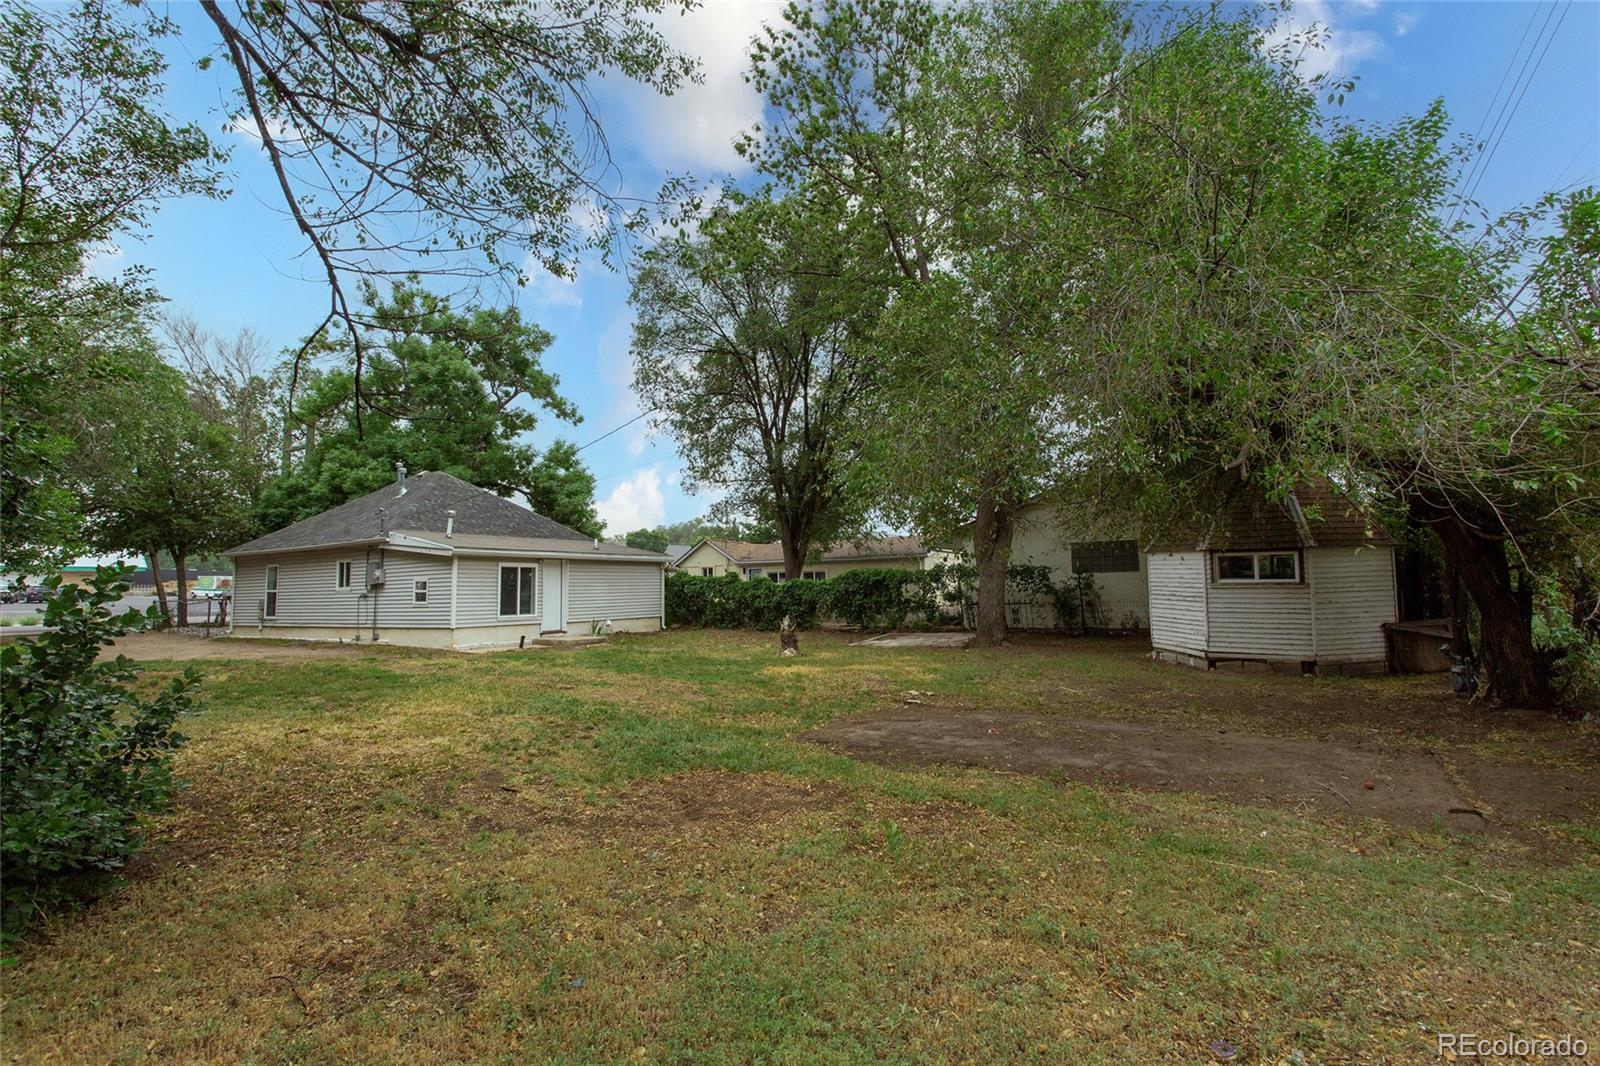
[1404,23]
[245,126]
[548,290]
[694,128]
[636,503]
[1309,36]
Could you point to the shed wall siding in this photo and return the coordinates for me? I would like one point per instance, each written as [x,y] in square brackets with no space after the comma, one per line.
[1353,595]
[478,585]
[597,591]
[1260,621]
[1177,600]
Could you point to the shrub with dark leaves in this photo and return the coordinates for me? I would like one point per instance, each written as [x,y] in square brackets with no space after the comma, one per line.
[85,757]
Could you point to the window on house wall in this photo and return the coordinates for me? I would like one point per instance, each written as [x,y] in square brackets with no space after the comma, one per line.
[342,581]
[1282,567]
[1106,556]
[754,572]
[419,591]
[776,579]
[708,571]
[271,608]
[517,590]
[815,575]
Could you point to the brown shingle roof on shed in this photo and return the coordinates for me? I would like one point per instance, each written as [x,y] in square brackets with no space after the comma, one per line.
[1316,515]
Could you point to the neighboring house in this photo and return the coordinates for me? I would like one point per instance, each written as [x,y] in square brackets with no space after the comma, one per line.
[714,557]
[81,571]
[676,552]
[1118,596]
[1307,584]
[434,561]
[142,584]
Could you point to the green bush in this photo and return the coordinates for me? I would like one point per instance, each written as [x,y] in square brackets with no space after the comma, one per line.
[868,598]
[85,758]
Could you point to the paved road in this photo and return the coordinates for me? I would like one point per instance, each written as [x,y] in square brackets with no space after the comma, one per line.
[197,608]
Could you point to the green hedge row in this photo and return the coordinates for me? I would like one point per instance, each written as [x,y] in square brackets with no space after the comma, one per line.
[872,599]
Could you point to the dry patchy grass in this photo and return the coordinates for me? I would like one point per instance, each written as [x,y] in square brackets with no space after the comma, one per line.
[624,854]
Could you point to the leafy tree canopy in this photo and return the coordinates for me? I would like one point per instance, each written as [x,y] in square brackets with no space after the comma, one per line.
[445,390]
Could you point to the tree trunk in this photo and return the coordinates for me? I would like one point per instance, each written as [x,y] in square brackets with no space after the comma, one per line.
[794,560]
[1519,674]
[1460,612]
[178,557]
[991,545]
[154,558]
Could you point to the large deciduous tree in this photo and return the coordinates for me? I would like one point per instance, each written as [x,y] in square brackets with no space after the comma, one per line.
[88,155]
[747,343]
[445,390]
[948,132]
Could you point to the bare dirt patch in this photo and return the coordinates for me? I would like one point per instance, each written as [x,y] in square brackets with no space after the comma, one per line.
[1403,787]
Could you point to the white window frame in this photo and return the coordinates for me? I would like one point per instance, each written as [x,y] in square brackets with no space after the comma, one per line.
[708,571]
[1255,569]
[533,601]
[753,572]
[419,591]
[344,572]
[814,575]
[269,597]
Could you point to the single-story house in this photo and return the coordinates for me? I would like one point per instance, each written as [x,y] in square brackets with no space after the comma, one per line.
[715,557]
[434,561]
[1307,584]
[1118,597]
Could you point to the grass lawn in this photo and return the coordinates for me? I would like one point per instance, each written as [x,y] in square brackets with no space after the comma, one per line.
[624,854]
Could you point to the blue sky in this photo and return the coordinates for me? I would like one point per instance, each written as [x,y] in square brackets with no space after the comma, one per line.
[239,262]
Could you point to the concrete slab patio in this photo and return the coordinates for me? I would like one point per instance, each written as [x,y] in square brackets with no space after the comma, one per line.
[915,640]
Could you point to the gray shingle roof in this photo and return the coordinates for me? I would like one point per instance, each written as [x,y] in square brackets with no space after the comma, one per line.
[421,506]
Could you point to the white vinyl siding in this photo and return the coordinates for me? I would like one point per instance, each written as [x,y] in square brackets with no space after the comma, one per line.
[306,596]
[1354,595]
[478,592]
[1260,620]
[598,591]
[1178,601]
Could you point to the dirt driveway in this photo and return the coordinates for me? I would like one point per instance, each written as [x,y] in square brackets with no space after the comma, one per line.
[1405,787]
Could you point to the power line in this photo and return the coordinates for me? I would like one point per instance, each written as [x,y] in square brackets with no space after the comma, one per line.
[620,428]
[1509,107]
[1554,33]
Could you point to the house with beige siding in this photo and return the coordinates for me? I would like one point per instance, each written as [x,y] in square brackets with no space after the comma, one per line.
[434,561]
[715,557]
[1116,596]
[1305,585]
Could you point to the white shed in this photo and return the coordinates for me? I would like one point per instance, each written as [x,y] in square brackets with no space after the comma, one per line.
[1305,585]
[434,561]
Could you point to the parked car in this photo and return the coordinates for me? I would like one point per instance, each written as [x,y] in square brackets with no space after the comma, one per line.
[36,594]
[9,595]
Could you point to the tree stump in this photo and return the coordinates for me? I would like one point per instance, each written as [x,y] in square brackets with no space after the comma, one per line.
[788,638]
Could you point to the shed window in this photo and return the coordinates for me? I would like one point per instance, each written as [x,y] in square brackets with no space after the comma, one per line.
[1106,556]
[516,590]
[419,591]
[1281,567]
[342,580]
[271,609]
